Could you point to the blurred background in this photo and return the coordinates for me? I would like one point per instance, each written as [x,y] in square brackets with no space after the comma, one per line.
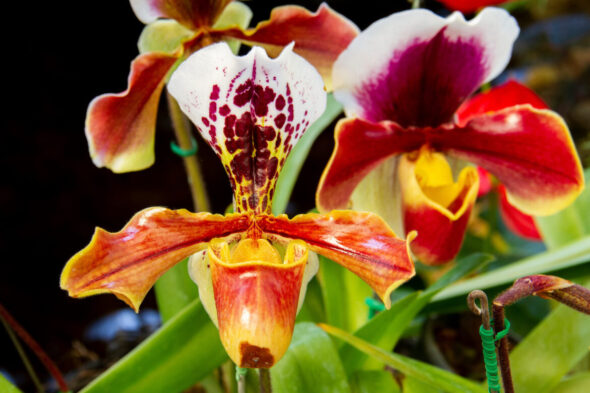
[60,55]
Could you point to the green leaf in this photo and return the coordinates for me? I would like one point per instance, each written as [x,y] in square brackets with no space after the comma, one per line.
[433,376]
[294,162]
[311,364]
[175,290]
[374,381]
[574,254]
[344,296]
[575,384]
[413,385]
[180,353]
[6,386]
[386,328]
[550,351]
[570,224]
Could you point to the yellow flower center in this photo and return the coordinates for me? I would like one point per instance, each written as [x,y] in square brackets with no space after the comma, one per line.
[435,178]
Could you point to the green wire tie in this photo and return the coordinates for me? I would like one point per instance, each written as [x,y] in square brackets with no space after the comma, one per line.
[374,306]
[184,152]
[240,372]
[488,341]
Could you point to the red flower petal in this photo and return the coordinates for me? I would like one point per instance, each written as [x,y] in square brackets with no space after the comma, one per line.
[319,37]
[360,147]
[485,181]
[529,150]
[190,13]
[120,127]
[362,242]
[127,263]
[518,222]
[500,97]
[470,5]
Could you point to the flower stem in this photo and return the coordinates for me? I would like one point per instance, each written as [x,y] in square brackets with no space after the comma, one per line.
[23,356]
[416,4]
[504,360]
[265,386]
[12,326]
[182,130]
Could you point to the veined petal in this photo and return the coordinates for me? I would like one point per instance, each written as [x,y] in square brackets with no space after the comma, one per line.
[251,110]
[362,242]
[497,98]
[319,37]
[402,66]
[127,263]
[529,150]
[190,13]
[518,222]
[120,127]
[360,147]
[256,297]
[434,205]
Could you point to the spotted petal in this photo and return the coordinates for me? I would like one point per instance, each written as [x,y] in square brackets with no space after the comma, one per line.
[359,241]
[319,37]
[127,263]
[251,110]
[415,68]
[190,13]
[120,127]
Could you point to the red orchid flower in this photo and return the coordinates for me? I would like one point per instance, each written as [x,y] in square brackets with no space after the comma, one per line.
[120,127]
[402,82]
[470,5]
[251,110]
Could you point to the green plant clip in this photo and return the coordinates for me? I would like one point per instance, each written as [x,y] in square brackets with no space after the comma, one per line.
[240,372]
[184,152]
[374,306]
[489,358]
[501,334]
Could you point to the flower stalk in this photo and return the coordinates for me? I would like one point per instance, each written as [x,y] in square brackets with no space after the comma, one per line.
[265,385]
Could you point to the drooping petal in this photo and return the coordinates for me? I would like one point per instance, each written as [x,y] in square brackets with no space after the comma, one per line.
[362,242]
[319,37]
[415,68]
[518,222]
[256,297]
[190,13]
[251,110]
[127,263]
[529,150]
[434,205]
[470,5]
[485,181]
[497,98]
[360,147]
[120,127]
[549,287]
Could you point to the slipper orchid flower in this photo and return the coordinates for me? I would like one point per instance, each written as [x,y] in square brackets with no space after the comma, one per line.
[120,127]
[251,110]
[402,82]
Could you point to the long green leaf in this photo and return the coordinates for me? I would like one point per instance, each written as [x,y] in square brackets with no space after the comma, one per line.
[294,162]
[174,291]
[385,329]
[574,254]
[6,386]
[374,381]
[570,224]
[180,353]
[576,384]
[435,377]
[550,351]
[311,364]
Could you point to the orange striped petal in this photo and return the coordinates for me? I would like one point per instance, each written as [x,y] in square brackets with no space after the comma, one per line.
[497,98]
[319,37]
[434,205]
[252,110]
[120,127]
[360,147]
[529,150]
[362,242]
[256,297]
[127,263]
[549,287]
[190,13]
[518,222]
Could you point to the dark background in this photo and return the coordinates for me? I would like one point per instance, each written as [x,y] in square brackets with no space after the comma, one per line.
[59,56]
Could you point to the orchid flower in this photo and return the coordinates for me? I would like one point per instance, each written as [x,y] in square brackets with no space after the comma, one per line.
[250,265]
[120,127]
[402,83]
[470,5]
